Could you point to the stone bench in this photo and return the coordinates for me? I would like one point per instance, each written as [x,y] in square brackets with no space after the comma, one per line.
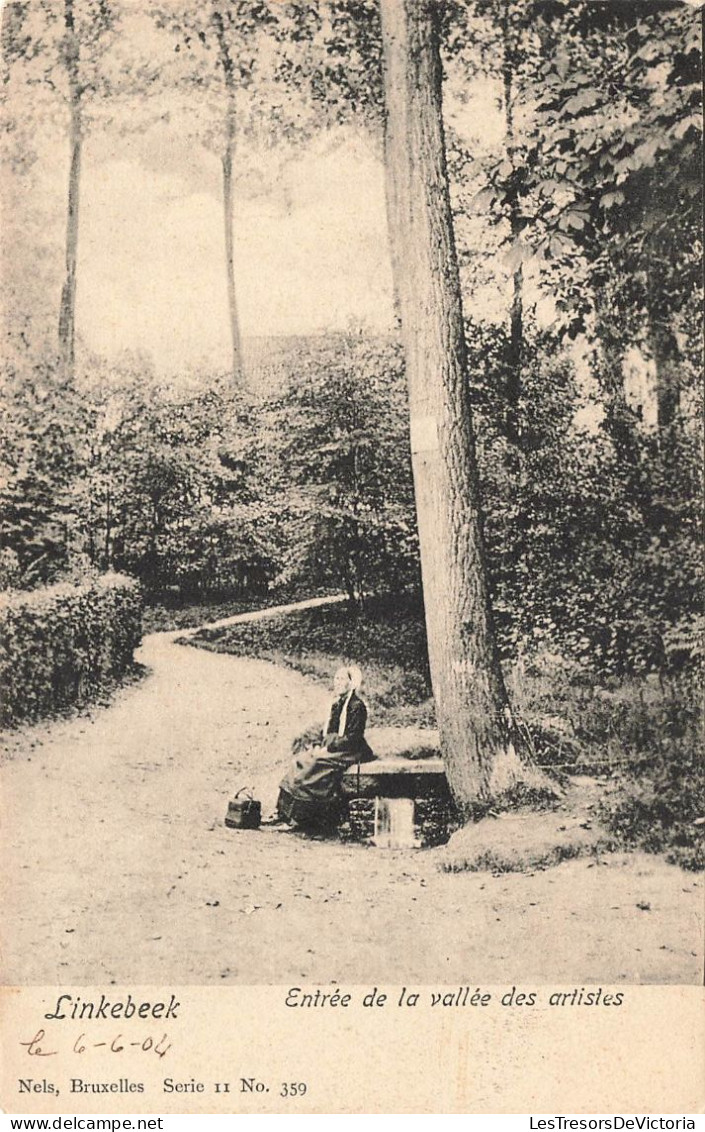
[371,792]
[399,775]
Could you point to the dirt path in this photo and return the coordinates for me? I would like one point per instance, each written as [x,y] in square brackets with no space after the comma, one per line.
[121,870]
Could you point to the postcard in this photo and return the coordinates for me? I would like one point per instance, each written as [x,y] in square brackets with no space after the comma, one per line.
[351,557]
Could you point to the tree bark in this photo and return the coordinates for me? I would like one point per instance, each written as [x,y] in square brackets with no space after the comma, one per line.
[67,309]
[471,701]
[227,163]
[516,316]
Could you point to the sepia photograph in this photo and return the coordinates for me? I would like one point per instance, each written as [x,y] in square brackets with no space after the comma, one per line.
[351,625]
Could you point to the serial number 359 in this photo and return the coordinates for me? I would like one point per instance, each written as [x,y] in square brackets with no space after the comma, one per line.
[293,1089]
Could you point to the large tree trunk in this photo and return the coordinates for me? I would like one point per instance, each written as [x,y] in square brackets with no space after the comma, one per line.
[227,162]
[471,700]
[67,310]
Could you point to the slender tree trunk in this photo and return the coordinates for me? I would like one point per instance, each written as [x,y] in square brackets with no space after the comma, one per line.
[108,530]
[665,356]
[620,418]
[663,345]
[516,340]
[228,204]
[67,310]
[516,316]
[237,367]
[91,530]
[514,458]
[471,700]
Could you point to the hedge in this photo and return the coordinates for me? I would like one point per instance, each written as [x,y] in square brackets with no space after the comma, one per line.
[62,645]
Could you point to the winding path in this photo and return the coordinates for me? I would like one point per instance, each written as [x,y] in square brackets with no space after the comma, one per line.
[119,868]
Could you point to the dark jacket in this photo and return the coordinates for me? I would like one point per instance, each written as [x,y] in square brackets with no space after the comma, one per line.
[353,741]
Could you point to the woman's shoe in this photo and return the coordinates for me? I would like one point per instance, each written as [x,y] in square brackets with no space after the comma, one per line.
[274,821]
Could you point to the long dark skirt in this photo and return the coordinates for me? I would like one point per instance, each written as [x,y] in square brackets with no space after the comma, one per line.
[310,793]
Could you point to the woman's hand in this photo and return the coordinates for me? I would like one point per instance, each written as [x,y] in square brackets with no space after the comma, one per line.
[311,737]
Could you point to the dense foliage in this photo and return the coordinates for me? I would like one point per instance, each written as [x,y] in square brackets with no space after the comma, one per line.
[60,645]
[340,468]
[592,556]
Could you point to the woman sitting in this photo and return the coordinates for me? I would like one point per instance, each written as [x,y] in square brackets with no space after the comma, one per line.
[310,794]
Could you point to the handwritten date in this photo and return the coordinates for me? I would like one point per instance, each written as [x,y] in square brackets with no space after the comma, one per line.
[36,1046]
